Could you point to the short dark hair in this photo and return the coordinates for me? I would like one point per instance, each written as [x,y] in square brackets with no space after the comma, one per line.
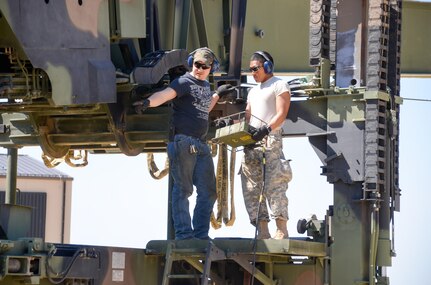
[257,56]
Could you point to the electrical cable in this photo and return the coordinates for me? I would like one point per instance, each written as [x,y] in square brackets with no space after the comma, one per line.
[417,99]
[61,276]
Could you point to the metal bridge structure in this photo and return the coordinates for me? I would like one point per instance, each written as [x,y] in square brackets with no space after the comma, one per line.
[70,71]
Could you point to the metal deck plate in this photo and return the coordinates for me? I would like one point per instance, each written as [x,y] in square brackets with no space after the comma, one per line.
[290,246]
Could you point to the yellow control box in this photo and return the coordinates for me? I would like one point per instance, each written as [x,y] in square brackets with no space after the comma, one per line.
[234,135]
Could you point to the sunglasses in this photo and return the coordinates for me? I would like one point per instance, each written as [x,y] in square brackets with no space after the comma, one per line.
[255,68]
[199,65]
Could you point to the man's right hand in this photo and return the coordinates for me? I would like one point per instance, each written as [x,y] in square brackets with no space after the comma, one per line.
[260,133]
[141,105]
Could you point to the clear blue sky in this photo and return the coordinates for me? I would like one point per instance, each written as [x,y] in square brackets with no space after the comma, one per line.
[117,203]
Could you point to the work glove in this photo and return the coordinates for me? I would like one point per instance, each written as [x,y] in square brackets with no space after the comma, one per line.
[252,130]
[260,133]
[141,105]
[224,89]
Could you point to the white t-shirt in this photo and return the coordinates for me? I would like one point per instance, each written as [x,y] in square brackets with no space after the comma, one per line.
[262,100]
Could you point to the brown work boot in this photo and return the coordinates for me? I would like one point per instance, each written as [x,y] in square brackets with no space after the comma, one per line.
[263,231]
[281,232]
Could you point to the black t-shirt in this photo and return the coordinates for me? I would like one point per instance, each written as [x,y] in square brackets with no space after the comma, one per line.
[191,106]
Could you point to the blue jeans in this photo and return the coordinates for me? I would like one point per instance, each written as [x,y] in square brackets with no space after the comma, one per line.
[188,169]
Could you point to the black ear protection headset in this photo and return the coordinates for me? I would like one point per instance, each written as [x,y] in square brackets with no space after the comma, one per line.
[215,66]
[268,65]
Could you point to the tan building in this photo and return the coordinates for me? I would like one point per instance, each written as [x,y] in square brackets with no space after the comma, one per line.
[47,191]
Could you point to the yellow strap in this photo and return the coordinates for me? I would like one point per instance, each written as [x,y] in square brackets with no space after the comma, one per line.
[232,218]
[154,170]
[76,158]
[51,162]
[223,187]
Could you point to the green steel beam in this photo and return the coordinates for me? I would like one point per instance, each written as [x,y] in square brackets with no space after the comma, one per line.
[416,39]
[287,40]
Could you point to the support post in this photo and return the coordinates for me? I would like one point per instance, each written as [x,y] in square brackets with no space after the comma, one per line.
[12,166]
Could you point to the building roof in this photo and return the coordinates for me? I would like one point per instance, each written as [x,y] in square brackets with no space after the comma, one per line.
[30,167]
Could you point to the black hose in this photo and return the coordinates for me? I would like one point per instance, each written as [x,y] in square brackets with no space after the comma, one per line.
[59,277]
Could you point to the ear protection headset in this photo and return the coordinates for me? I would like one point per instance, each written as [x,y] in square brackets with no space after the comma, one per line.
[268,65]
[215,66]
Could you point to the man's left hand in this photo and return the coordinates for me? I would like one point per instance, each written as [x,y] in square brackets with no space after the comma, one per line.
[260,133]
[224,90]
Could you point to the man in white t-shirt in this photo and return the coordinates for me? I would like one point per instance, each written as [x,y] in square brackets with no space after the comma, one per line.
[265,172]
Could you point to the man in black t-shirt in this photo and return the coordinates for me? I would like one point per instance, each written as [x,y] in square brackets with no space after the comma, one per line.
[190,159]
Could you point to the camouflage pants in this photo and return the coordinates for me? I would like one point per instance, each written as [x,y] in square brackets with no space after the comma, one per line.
[277,176]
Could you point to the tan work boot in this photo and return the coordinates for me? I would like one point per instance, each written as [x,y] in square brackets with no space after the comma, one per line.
[263,231]
[281,232]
